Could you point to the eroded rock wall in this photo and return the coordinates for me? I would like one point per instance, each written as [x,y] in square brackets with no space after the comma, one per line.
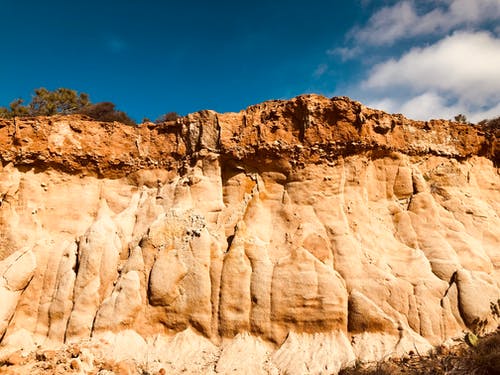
[304,233]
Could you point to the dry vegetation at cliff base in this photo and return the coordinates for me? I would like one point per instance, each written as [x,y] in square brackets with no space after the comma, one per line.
[459,359]
[481,359]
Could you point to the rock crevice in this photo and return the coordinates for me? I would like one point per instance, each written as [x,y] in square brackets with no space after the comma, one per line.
[307,233]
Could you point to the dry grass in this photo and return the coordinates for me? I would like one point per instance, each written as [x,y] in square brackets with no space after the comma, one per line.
[483,359]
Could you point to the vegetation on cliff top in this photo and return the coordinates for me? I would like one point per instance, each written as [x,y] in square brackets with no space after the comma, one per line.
[67,101]
[64,101]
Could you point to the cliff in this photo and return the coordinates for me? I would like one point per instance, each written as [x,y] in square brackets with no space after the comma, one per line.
[292,237]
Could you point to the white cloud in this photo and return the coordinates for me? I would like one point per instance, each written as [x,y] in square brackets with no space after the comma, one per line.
[386,104]
[404,20]
[427,105]
[464,62]
[345,53]
[320,70]
[387,25]
[488,113]
[431,105]
[458,73]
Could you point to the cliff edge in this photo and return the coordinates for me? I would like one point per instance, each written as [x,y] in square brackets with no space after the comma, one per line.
[292,237]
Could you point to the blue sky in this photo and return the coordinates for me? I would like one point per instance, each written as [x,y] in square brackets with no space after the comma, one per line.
[421,58]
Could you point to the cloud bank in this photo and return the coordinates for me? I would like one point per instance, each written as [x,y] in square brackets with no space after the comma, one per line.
[449,64]
[404,19]
[459,73]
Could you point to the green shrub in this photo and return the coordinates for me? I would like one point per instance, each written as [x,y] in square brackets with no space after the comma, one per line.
[61,101]
[170,116]
[461,118]
[64,101]
[105,111]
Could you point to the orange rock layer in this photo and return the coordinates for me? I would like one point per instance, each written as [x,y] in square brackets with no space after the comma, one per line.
[305,233]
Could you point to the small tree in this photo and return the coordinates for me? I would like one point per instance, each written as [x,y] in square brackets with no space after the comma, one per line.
[4,112]
[170,116]
[64,101]
[461,118]
[491,124]
[47,103]
[18,109]
[105,111]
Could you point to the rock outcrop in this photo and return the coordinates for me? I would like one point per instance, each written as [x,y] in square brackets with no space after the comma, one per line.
[293,237]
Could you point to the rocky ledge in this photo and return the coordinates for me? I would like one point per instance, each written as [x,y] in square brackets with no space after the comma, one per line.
[292,237]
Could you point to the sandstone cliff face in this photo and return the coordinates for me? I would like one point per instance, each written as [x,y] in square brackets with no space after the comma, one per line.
[292,237]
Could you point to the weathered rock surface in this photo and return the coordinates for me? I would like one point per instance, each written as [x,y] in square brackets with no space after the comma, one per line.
[292,237]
